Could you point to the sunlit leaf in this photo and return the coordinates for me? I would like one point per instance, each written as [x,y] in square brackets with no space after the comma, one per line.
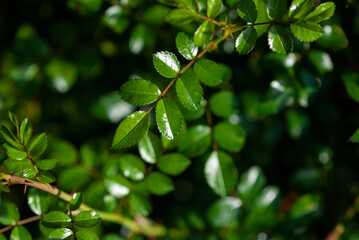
[246,41]
[166,64]
[214,8]
[306,31]
[139,92]
[247,10]
[186,46]
[280,40]
[56,219]
[150,148]
[169,118]
[203,34]
[189,90]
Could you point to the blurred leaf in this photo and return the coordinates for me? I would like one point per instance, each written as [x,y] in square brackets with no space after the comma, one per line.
[203,34]
[208,72]
[166,64]
[180,17]
[61,233]
[139,92]
[246,41]
[307,206]
[173,163]
[306,31]
[141,38]
[189,90]
[220,173]
[169,118]
[355,137]
[247,10]
[86,235]
[323,12]
[228,136]
[86,219]
[56,219]
[276,9]
[14,153]
[62,150]
[223,104]
[186,46]
[115,18]
[351,82]
[47,164]
[214,8]
[251,183]
[9,214]
[297,122]
[299,8]
[24,73]
[196,142]
[191,4]
[17,166]
[62,74]
[38,201]
[85,7]
[307,179]
[280,40]
[117,186]
[225,212]
[159,184]
[73,177]
[20,233]
[321,60]
[76,201]
[334,38]
[150,148]
[132,167]
[140,204]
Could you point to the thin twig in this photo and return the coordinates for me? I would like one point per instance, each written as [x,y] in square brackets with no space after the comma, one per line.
[21,222]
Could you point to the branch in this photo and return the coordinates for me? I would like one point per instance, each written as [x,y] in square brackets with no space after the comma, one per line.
[22,222]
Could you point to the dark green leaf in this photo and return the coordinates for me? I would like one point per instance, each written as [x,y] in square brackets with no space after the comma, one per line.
[355,137]
[208,72]
[166,64]
[25,131]
[115,19]
[214,8]
[196,142]
[117,186]
[150,148]
[38,146]
[189,90]
[73,177]
[220,173]
[351,82]
[20,233]
[61,233]
[306,31]
[9,214]
[280,40]
[47,164]
[230,137]
[225,212]
[300,8]
[87,219]
[323,12]
[223,104]
[169,118]
[173,163]
[276,9]
[180,17]
[321,60]
[203,34]
[139,92]
[186,46]
[246,41]
[247,10]
[132,167]
[131,130]
[9,137]
[38,201]
[262,16]
[251,183]
[14,153]
[76,201]
[159,184]
[86,235]
[140,204]
[56,219]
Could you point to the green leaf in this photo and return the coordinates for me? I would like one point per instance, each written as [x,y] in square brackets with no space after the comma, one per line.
[140,204]
[323,12]
[2,237]
[306,31]
[139,92]
[246,41]
[38,201]
[173,163]
[87,219]
[61,233]
[115,19]
[73,177]
[355,137]
[276,9]
[169,118]
[220,173]
[14,120]
[14,153]
[262,16]
[9,137]
[131,130]
[56,219]
[196,142]
[225,212]
[18,166]
[351,82]
[166,64]
[280,40]
[25,131]
[20,233]
[230,137]
[247,10]
[189,90]
[186,46]
[159,184]
[132,167]
[142,37]
[223,104]
[214,8]
[251,183]
[180,17]
[86,235]
[150,148]
[321,60]
[191,4]
[9,214]
[208,72]
[299,8]
[203,34]
[38,146]
[117,186]
[46,164]
[76,201]
[305,206]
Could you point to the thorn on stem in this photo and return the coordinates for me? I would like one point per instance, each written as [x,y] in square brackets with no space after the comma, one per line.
[25,187]
[40,190]
[55,186]
[73,191]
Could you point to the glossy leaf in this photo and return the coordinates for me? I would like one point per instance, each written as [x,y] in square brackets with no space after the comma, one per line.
[306,31]
[225,212]
[189,90]
[38,145]
[186,46]
[251,183]
[61,233]
[246,41]
[86,219]
[159,184]
[38,201]
[180,17]
[223,104]
[139,92]
[56,219]
[247,10]
[140,204]
[9,214]
[208,72]
[14,153]
[229,137]
[173,163]
[132,167]
[47,164]
[203,34]
[20,233]
[276,9]
[86,235]
[214,8]
[191,4]
[117,186]
[150,148]
[76,201]
[220,172]
[196,142]
[323,12]
[9,137]
[131,130]
[262,16]
[18,166]
[351,82]
[299,8]
[25,131]
[166,64]
[280,40]
[169,118]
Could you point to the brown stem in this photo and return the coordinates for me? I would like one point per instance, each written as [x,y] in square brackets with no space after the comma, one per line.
[22,222]
[210,20]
